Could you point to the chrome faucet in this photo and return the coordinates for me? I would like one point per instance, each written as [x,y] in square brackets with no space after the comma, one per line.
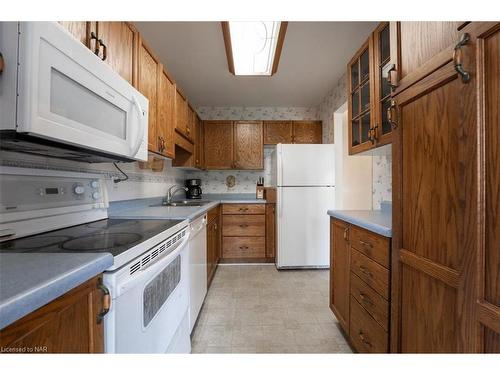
[171,192]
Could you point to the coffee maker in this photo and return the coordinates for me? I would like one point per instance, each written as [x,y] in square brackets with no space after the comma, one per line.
[193,188]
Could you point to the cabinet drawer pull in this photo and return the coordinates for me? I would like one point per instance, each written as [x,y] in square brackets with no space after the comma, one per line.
[365,271]
[363,339]
[366,244]
[93,36]
[346,233]
[243,225]
[243,209]
[244,247]
[365,298]
[104,50]
[2,63]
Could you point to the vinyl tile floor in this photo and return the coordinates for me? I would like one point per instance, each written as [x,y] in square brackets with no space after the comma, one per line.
[258,309]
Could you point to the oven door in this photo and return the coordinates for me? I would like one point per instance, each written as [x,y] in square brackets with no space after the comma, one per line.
[67,94]
[149,309]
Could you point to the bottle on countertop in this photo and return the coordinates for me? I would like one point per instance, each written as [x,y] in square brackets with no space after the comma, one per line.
[260,188]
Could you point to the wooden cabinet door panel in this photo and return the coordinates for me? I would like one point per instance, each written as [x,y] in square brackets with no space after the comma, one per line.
[307,132]
[248,146]
[366,334]
[270,230]
[218,144]
[79,29]
[370,244]
[339,271]
[243,209]
[166,114]
[243,247]
[66,325]
[147,84]
[244,225]
[434,176]
[488,52]
[277,132]
[120,41]
[415,44]
[182,115]
[198,146]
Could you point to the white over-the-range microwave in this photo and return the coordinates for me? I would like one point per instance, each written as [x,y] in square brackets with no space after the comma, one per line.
[59,99]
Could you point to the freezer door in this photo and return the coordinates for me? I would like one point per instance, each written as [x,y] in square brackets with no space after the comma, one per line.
[306,165]
[303,226]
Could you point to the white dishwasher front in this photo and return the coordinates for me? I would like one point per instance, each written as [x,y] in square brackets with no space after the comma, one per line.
[197,268]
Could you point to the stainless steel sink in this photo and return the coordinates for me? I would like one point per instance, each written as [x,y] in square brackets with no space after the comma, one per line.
[181,204]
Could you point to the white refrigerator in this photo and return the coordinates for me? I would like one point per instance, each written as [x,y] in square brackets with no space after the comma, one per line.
[304,175]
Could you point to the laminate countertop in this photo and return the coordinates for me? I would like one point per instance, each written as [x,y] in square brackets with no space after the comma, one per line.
[151,208]
[377,221]
[30,281]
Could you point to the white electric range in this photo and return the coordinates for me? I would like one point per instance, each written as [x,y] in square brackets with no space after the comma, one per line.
[44,211]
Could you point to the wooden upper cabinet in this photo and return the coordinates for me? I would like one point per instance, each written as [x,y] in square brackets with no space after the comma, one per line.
[277,132]
[120,39]
[360,94]
[415,44]
[166,114]
[147,84]
[248,147]
[191,123]
[182,115]
[383,65]
[218,144]
[307,132]
[117,44]
[199,157]
[339,271]
[79,29]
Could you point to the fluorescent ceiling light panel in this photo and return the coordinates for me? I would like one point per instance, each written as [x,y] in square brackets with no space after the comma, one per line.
[253,47]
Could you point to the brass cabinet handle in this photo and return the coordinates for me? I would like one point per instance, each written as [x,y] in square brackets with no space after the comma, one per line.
[363,339]
[365,271]
[457,58]
[366,244]
[392,77]
[2,63]
[243,225]
[106,302]
[364,298]
[243,209]
[346,233]
[104,50]
[243,247]
[390,118]
[93,36]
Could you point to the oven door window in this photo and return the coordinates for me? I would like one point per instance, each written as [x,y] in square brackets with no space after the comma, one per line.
[158,290]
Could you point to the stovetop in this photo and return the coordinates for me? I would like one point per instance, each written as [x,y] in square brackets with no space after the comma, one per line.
[114,236]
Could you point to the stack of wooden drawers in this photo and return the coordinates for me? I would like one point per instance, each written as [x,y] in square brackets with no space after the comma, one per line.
[243,231]
[370,291]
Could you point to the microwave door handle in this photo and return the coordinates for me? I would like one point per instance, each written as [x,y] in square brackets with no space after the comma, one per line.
[139,140]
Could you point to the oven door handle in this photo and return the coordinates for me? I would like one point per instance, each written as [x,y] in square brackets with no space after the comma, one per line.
[148,273]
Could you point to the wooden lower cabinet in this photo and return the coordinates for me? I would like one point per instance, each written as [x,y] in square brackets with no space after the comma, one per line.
[69,324]
[360,286]
[339,271]
[247,236]
[213,242]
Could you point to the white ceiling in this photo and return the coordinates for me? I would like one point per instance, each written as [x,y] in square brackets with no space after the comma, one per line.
[314,57]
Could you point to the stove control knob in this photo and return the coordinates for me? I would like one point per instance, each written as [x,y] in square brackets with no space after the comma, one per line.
[79,190]
[94,184]
[96,195]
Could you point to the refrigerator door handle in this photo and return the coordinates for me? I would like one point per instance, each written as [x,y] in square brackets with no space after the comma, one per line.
[280,202]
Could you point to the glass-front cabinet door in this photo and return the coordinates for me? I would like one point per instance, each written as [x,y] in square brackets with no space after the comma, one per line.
[383,64]
[360,90]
